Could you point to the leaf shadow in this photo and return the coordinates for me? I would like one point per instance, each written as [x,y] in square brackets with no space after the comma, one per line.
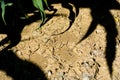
[72,14]
[15,67]
[16,21]
[14,25]
[19,69]
[100,13]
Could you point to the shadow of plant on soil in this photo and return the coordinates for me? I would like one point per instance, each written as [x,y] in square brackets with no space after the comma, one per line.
[100,12]
[15,67]
[19,69]
[15,24]
[16,21]
[72,14]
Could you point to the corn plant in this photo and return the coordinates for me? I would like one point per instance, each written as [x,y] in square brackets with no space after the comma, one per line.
[36,3]
[39,5]
[3,6]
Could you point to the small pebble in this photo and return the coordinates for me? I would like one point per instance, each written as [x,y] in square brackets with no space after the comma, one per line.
[49,72]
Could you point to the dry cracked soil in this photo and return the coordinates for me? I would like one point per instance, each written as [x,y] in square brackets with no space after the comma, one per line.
[56,56]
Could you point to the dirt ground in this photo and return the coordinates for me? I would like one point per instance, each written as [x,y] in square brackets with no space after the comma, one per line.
[59,56]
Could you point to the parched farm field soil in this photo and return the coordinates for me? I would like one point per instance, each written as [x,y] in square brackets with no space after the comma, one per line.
[59,56]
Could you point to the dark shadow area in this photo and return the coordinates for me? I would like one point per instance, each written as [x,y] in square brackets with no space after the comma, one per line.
[15,24]
[16,20]
[100,12]
[13,66]
[72,14]
[71,17]
[19,69]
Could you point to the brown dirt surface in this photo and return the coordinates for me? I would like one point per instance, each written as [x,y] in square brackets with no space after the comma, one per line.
[59,56]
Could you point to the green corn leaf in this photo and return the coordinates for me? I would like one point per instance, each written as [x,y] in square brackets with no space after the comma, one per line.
[3,11]
[46,3]
[39,5]
[3,5]
[9,4]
